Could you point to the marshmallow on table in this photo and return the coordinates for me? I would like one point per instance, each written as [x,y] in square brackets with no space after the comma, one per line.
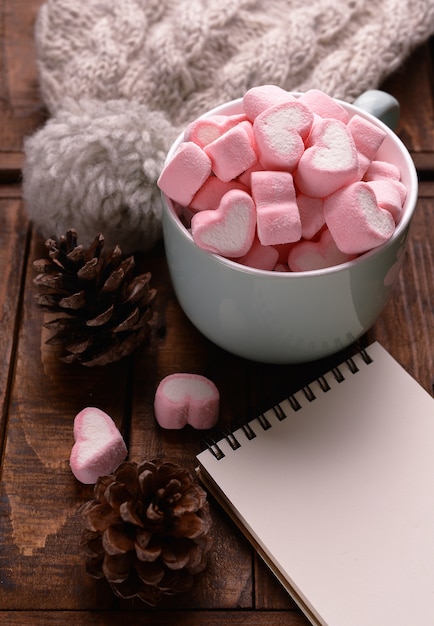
[229,229]
[99,447]
[315,255]
[185,173]
[182,399]
[204,130]
[212,191]
[257,99]
[355,220]
[329,161]
[277,215]
[280,132]
[324,105]
[233,152]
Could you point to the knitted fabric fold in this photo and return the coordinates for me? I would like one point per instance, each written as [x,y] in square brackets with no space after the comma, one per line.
[121,79]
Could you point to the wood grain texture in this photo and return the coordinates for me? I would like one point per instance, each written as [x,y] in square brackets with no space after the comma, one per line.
[42,577]
[14,233]
[161,618]
[412,84]
[21,109]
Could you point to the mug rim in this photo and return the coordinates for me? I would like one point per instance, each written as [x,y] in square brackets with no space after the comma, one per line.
[407,215]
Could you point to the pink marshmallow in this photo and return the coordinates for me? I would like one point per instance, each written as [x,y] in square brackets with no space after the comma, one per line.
[246,177]
[281,267]
[232,153]
[390,195]
[324,105]
[306,256]
[182,399]
[280,133]
[229,229]
[283,251]
[277,215]
[355,220]
[185,173]
[99,447]
[204,130]
[329,161]
[260,257]
[212,191]
[311,215]
[257,99]
[378,170]
[367,138]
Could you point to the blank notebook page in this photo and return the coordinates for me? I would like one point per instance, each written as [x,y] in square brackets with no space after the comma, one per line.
[338,496]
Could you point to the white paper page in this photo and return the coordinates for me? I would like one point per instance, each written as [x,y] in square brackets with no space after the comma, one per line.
[340,495]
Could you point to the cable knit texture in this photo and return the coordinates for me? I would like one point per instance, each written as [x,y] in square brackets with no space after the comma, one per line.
[121,79]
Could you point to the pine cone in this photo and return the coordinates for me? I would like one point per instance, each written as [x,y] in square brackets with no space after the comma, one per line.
[147,530]
[105,308]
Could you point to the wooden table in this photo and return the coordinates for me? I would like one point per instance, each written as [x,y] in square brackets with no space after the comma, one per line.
[42,577]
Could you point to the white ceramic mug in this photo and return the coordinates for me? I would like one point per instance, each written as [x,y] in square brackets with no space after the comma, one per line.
[290,317]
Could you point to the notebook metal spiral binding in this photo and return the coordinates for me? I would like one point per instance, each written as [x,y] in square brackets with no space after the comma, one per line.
[295,405]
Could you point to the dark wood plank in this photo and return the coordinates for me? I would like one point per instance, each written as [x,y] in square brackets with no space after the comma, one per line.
[406,327]
[21,109]
[7,192]
[161,618]
[14,233]
[412,84]
[227,581]
[11,164]
[39,525]
[41,566]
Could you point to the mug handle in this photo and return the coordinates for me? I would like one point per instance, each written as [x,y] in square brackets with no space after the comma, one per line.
[380,104]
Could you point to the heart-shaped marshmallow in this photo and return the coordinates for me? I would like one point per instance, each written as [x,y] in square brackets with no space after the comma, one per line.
[280,132]
[355,220]
[99,447]
[182,399]
[228,230]
[329,161]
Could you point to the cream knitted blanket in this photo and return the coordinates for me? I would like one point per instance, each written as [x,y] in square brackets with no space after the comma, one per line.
[121,79]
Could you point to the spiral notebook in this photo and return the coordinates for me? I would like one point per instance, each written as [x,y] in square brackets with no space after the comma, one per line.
[334,487]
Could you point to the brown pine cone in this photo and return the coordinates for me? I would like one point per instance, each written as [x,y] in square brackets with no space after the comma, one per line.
[105,309]
[147,530]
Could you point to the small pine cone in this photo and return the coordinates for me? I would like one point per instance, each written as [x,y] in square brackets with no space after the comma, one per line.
[147,530]
[105,309]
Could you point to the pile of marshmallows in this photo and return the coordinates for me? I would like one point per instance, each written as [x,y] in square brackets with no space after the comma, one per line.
[293,183]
